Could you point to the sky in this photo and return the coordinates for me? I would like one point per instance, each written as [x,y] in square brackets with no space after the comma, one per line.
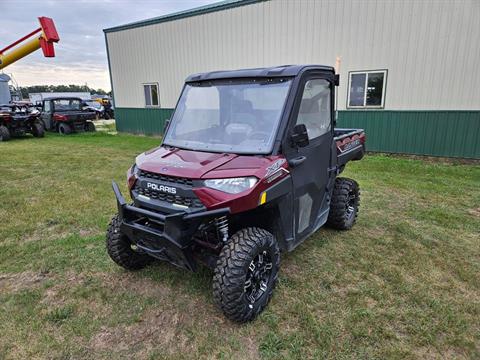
[80,55]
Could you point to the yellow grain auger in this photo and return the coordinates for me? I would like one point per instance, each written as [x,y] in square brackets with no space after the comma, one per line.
[43,38]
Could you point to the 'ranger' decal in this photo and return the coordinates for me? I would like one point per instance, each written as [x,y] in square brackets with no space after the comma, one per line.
[275,166]
[351,145]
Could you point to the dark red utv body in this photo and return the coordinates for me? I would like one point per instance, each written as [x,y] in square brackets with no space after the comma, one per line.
[248,168]
[66,115]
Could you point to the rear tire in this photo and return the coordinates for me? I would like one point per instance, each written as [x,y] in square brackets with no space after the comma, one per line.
[38,130]
[4,133]
[90,126]
[119,247]
[345,203]
[246,274]
[64,129]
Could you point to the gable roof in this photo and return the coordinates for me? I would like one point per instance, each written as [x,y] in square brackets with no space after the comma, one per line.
[218,6]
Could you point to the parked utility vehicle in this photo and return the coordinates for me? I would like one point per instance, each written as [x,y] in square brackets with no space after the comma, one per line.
[66,115]
[248,168]
[18,120]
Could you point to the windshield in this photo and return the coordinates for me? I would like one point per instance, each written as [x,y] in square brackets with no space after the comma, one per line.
[66,104]
[238,117]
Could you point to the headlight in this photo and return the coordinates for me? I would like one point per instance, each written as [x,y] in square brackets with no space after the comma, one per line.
[231,185]
[131,176]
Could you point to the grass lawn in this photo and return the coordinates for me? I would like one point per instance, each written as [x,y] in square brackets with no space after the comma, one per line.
[404,283]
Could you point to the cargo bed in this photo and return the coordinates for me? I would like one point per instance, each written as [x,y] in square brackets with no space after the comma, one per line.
[350,145]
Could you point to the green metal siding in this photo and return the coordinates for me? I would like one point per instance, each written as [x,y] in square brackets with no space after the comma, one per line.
[435,133]
[149,121]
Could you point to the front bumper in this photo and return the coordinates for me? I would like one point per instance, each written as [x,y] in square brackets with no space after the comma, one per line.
[20,125]
[168,237]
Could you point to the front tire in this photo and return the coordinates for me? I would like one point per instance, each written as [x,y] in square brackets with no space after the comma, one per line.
[64,129]
[38,130]
[4,133]
[120,248]
[246,274]
[345,203]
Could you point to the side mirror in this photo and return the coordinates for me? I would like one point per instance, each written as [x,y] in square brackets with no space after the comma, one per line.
[165,127]
[300,135]
[337,80]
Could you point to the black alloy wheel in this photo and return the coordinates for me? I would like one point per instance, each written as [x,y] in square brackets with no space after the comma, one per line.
[258,277]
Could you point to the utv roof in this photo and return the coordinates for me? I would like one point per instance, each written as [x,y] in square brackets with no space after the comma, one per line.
[277,71]
[13,105]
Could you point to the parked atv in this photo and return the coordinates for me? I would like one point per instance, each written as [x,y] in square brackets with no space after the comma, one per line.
[65,115]
[108,112]
[94,106]
[19,120]
[248,168]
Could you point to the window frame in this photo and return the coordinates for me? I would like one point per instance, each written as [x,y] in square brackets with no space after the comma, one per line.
[145,99]
[330,123]
[367,72]
[277,135]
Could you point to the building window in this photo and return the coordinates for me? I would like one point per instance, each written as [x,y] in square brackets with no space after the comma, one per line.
[151,94]
[366,89]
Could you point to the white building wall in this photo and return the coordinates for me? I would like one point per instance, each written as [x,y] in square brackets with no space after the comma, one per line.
[431,49]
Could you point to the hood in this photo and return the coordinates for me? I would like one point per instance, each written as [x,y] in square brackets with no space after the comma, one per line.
[198,164]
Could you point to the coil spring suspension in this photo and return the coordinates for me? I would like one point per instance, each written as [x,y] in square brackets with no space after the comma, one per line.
[222,227]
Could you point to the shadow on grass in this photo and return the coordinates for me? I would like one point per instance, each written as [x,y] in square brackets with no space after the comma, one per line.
[192,283]
[199,283]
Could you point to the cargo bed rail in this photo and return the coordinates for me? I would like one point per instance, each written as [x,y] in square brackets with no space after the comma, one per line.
[350,144]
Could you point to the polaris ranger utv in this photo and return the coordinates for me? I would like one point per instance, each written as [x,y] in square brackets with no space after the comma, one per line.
[248,167]
[18,120]
[66,115]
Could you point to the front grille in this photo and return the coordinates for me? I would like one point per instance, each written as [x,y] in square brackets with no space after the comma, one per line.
[172,199]
[171,179]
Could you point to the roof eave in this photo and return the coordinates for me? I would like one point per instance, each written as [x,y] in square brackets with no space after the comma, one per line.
[218,6]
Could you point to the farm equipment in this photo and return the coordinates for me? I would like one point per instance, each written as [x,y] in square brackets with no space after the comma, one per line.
[66,115]
[249,166]
[18,120]
[44,37]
